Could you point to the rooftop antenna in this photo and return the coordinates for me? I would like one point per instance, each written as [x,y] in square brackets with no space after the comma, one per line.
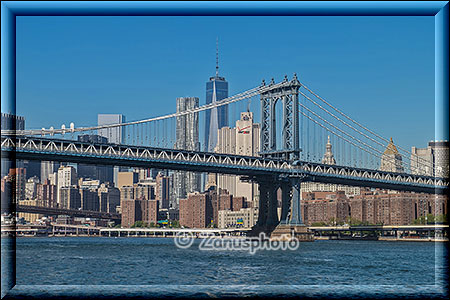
[217,57]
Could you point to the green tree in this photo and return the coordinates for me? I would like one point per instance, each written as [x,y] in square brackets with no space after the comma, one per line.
[429,219]
[319,224]
[419,221]
[441,219]
[332,222]
[138,224]
[152,224]
[175,224]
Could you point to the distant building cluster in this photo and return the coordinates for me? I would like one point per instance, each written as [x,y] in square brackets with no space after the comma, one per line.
[200,210]
[61,189]
[432,160]
[370,207]
[199,200]
[243,139]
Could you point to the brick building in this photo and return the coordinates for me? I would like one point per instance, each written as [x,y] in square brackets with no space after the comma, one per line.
[162,191]
[200,210]
[138,203]
[398,208]
[139,210]
[46,194]
[373,207]
[324,207]
[18,179]
[197,210]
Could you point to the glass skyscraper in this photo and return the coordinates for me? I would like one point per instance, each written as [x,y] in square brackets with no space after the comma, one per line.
[216,118]
[187,139]
[114,135]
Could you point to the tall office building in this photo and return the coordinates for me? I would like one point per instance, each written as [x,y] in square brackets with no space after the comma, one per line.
[241,140]
[114,135]
[31,188]
[391,160]
[187,138]
[109,198]
[422,161]
[11,122]
[162,191]
[69,197]
[89,199]
[196,211]
[47,168]
[139,210]
[98,172]
[216,118]
[17,177]
[46,194]
[441,157]
[67,177]
[127,179]
[431,161]
[15,122]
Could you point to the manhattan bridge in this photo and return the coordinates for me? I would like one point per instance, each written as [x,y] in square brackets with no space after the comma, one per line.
[295,124]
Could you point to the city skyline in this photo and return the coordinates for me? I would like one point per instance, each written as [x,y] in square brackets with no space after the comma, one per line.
[385,81]
[334,158]
[218,119]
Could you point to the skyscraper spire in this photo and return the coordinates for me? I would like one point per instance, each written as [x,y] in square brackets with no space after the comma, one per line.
[217,57]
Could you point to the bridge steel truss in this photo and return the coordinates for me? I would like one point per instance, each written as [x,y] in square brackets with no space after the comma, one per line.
[288,95]
[270,173]
[63,211]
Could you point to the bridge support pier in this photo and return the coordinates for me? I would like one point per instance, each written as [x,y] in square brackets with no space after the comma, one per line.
[272,212]
[291,224]
[285,202]
[296,218]
[267,214]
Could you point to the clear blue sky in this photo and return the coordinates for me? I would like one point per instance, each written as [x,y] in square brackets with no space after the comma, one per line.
[379,70]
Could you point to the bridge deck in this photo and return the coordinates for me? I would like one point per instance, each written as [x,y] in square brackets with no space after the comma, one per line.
[272,169]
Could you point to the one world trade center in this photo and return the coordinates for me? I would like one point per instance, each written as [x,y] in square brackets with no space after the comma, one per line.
[216,118]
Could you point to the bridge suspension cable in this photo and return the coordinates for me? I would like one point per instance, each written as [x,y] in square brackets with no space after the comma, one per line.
[420,161]
[340,136]
[349,156]
[238,97]
[340,130]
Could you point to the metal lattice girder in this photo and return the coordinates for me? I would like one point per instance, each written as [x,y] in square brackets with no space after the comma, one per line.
[288,94]
[46,149]
[265,123]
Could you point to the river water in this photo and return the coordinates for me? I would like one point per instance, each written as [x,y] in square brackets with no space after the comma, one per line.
[157,261]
